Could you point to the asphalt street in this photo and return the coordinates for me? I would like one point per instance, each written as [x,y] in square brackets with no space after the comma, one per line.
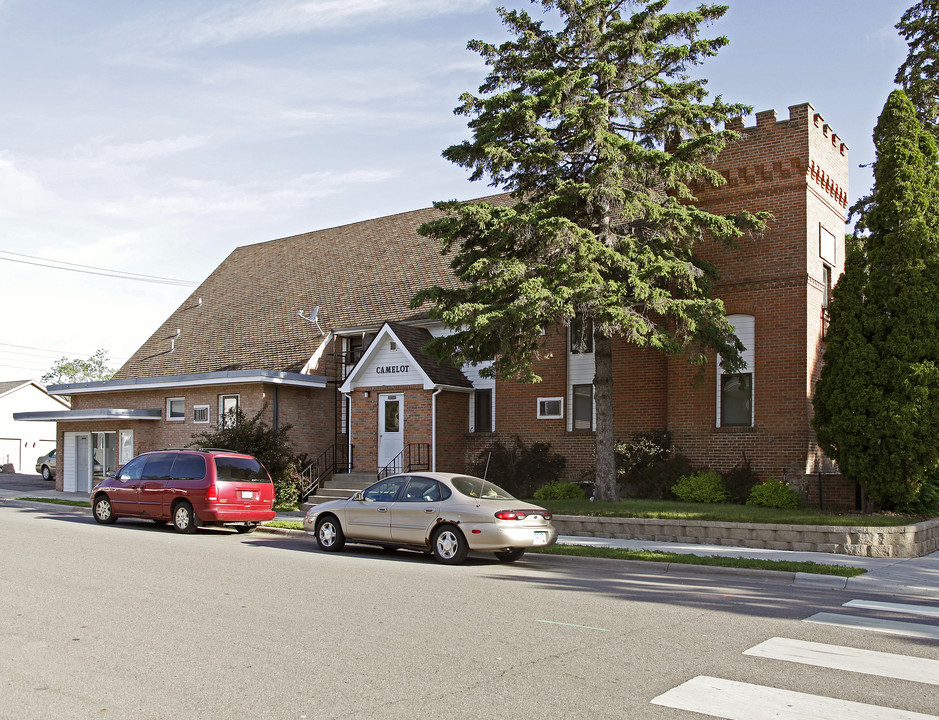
[136,621]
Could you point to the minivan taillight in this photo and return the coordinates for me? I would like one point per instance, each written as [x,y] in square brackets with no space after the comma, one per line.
[211,492]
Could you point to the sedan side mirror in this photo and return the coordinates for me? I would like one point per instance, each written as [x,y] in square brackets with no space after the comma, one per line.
[360,496]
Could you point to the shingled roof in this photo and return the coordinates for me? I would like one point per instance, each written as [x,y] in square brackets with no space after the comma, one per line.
[359,274]
[415,339]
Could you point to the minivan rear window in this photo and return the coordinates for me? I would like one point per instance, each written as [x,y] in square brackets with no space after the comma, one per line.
[240,469]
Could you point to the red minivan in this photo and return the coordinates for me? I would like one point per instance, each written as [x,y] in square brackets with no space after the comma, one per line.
[188,488]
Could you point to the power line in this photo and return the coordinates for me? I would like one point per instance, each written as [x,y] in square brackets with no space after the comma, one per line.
[52,351]
[92,270]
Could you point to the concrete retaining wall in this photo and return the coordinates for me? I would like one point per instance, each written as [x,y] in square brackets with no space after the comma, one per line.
[901,542]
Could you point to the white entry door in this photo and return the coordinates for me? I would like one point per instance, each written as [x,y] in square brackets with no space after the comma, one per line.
[83,463]
[390,430]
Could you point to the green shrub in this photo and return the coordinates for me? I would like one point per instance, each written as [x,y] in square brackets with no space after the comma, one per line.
[252,436]
[774,494]
[926,501]
[647,466]
[740,481]
[520,469]
[559,490]
[706,486]
[286,486]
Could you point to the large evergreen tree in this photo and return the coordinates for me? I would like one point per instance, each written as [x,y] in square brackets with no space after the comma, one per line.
[597,131]
[877,401]
[919,73]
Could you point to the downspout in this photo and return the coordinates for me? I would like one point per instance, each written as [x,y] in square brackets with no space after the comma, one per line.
[348,398]
[433,429]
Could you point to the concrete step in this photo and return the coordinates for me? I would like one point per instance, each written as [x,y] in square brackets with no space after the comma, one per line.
[341,486]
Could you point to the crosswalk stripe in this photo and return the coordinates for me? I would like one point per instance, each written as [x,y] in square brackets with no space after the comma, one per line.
[892,627]
[734,700]
[924,610]
[868,662]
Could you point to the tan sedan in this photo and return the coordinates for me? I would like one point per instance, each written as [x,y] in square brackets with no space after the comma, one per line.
[442,513]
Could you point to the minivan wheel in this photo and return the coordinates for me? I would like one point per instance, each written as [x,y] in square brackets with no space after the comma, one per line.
[329,535]
[103,511]
[184,519]
[449,545]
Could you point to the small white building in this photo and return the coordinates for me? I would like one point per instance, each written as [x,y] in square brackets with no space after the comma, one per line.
[21,443]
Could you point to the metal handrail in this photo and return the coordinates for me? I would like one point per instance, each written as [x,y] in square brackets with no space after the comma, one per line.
[328,463]
[418,459]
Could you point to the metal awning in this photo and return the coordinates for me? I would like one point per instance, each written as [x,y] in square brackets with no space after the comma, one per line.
[89,414]
[228,377]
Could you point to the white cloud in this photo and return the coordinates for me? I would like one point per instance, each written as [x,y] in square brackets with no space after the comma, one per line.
[242,21]
[102,152]
[20,190]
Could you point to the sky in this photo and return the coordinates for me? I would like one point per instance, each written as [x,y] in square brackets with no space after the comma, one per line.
[140,143]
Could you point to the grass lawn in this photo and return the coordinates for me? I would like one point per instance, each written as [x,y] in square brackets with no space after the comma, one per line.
[655,556]
[674,510]
[712,560]
[58,501]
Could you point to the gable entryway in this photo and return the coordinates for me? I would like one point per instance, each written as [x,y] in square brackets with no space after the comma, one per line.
[402,402]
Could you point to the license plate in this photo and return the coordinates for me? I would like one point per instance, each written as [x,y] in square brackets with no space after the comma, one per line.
[247,494]
[541,537]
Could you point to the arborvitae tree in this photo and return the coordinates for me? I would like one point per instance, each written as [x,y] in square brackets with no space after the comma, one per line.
[597,131]
[877,401]
[919,73]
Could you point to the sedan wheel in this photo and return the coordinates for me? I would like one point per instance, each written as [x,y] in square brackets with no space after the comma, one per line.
[449,545]
[46,473]
[329,535]
[184,519]
[104,514]
[510,555]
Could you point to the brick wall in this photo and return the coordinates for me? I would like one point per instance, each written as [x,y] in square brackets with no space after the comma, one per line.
[797,169]
[309,411]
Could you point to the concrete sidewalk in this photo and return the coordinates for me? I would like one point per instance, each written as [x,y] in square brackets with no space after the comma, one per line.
[906,576]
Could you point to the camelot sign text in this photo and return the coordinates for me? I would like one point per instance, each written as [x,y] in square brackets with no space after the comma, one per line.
[384,369]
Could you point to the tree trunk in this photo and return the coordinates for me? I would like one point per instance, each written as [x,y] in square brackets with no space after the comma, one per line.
[606,487]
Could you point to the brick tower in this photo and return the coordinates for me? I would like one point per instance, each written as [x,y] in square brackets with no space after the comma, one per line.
[775,289]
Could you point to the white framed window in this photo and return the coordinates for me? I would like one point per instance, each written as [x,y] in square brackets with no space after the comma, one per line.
[581,335]
[735,390]
[125,444]
[827,245]
[176,409]
[228,409]
[582,399]
[482,410]
[550,408]
[200,414]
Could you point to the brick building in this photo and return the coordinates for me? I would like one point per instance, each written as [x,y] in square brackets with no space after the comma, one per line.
[360,394]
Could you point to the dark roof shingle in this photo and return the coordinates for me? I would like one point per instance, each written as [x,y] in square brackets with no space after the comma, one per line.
[363,273]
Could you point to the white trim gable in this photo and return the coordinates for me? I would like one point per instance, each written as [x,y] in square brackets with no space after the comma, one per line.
[382,365]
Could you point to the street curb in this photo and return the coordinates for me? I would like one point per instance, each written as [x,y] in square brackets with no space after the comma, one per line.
[832,582]
[860,583]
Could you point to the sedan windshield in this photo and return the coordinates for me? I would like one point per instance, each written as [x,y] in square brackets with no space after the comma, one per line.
[476,487]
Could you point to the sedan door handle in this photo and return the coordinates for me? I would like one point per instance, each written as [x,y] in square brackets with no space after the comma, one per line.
[430,510]
[382,509]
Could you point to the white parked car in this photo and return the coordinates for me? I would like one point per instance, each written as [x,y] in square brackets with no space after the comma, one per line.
[440,513]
